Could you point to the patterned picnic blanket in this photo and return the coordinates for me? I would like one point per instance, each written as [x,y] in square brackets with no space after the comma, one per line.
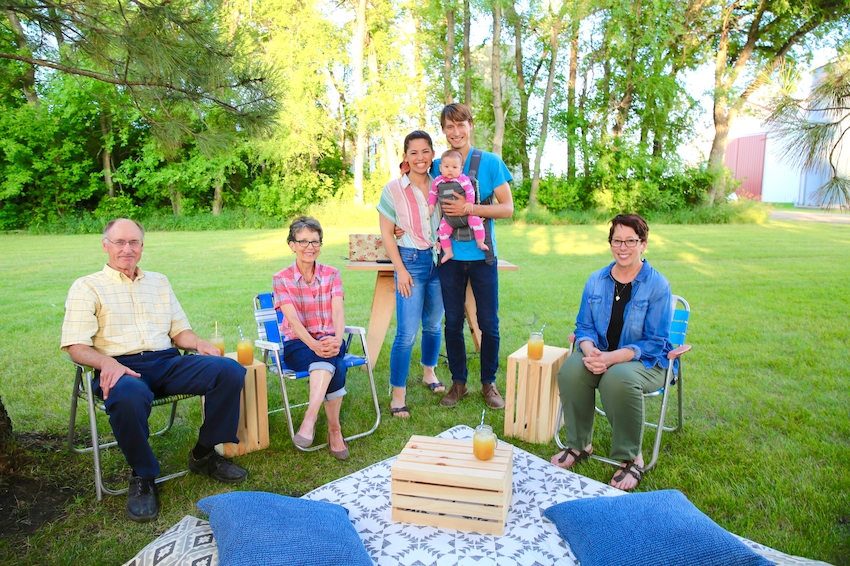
[529,538]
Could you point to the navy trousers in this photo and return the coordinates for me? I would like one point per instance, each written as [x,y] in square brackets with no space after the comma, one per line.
[164,373]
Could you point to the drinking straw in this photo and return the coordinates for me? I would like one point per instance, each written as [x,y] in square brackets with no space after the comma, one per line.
[216,328]
[482,416]
[544,326]
[242,336]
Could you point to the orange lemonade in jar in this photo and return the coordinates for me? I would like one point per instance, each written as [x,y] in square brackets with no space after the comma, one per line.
[217,340]
[484,442]
[245,351]
[535,345]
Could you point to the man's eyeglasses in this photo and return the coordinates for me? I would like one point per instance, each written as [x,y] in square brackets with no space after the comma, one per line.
[627,243]
[121,243]
[305,243]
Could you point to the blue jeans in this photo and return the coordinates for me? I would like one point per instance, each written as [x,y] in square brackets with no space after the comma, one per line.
[484,280]
[424,306]
[164,373]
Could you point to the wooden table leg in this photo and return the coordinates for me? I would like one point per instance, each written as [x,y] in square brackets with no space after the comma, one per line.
[471,311]
[383,305]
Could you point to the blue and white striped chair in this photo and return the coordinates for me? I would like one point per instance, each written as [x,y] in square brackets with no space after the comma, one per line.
[678,333]
[270,342]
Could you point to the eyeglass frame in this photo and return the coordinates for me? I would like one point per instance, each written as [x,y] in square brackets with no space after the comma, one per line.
[303,244]
[625,243]
[121,243]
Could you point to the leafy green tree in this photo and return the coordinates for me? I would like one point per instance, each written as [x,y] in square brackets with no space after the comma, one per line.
[160,51]
[750,41]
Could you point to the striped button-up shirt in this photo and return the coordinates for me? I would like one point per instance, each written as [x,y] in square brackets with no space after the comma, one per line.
[312,301]
[118,316]
[406,206]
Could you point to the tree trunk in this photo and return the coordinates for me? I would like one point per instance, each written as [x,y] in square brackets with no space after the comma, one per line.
[496,77]
[28,80]
[217,196]
[554,44]
[360,145]
[7,442]
[386,130]
[448,56]
[571,100]
[467,54]
[421,86]
[175,197]
[106,154]
[522,123]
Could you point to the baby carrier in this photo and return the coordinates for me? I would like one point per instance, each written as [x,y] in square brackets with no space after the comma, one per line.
[462,231]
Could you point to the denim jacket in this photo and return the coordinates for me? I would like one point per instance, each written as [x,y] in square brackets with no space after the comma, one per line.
[646,320]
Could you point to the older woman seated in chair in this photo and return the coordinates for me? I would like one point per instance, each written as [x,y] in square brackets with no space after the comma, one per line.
[622,338]
[309,294]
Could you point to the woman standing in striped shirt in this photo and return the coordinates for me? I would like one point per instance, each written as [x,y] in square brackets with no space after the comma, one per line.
[404,204]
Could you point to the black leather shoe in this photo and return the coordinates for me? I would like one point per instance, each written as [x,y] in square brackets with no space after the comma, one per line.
[218,468]
[142,500]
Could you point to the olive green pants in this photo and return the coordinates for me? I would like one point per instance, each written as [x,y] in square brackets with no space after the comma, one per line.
[621,389]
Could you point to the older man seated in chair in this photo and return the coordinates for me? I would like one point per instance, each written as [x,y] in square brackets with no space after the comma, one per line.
[125,323]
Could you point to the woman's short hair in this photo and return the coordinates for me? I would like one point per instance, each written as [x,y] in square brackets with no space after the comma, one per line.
[456,113]
[417,135]
[304,222]
[633,221]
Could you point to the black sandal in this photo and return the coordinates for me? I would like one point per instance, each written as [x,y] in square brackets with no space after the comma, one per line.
[578,457]
[403,409]
[631,469]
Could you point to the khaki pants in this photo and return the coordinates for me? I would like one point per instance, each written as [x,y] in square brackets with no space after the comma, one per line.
[621,389]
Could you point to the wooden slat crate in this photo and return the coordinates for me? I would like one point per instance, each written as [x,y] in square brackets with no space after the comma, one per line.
[253,431]
[439,483]
[531,394]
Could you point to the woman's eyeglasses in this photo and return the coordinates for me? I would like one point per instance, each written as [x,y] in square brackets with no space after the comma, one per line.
[627,243]
[313,243]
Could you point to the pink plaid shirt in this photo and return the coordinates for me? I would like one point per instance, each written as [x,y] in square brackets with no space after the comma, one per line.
[312,301]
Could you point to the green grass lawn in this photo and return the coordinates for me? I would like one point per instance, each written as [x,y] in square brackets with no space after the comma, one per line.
[764,450]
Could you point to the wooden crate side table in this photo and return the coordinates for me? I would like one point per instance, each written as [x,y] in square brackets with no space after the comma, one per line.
[253,431]
[437,482]
[531,394]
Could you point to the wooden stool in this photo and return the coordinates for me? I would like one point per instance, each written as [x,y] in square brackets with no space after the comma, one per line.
[253,431]
[531,395]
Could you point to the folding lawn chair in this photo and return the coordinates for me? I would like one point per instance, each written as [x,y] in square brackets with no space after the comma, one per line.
[270,342]
[83,390]
[678,332]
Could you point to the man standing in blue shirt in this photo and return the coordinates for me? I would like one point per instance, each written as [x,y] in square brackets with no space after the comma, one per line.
[470,264]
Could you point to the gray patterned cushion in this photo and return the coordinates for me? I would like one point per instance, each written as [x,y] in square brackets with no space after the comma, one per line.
[188,543]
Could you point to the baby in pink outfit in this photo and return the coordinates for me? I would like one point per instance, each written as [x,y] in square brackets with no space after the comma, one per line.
[451,171]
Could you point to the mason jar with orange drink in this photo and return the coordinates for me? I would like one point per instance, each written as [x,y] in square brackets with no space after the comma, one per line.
[245,351]
[535,346]
[484,442]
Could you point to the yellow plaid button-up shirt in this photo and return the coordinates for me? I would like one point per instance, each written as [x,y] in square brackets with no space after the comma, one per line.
[118,316]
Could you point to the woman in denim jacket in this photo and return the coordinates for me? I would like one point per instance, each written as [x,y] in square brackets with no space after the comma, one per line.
[622,337]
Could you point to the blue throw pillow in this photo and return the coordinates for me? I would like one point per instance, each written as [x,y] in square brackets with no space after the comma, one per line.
[252,528]
[661,528]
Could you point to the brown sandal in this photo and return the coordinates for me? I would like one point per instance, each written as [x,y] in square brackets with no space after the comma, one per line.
[578,457]
[631,469]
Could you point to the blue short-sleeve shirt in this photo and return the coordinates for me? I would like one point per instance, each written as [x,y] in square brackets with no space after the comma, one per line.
[492,172]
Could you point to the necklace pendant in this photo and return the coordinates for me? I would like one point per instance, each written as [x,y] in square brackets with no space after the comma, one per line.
[617,297]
